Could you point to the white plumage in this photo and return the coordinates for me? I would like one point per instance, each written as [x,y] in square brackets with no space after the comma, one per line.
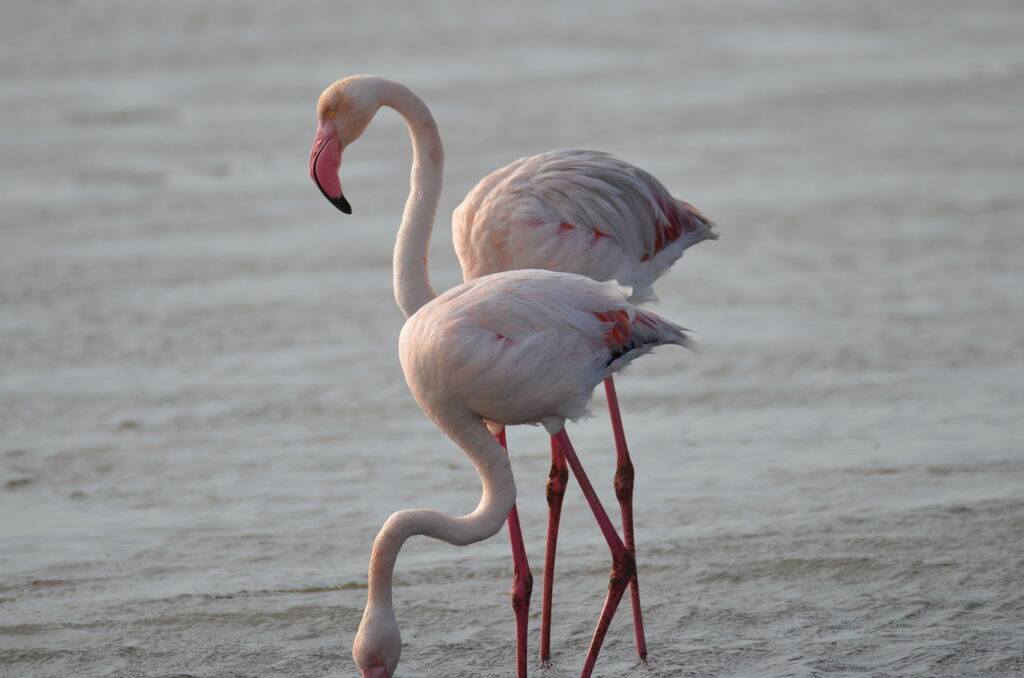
[577,211]
[526,346]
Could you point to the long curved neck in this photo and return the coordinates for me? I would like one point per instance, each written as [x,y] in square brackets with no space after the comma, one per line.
[499,495]
[411,278]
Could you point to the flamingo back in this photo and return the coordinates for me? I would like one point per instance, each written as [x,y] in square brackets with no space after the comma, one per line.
[576,211]
[525,346]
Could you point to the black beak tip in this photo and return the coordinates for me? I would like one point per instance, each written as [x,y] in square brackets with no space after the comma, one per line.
[341,204]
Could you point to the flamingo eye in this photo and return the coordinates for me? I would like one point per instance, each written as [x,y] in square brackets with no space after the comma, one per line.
[330,114]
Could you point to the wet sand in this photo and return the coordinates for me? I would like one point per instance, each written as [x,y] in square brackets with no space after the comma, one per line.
[203,422]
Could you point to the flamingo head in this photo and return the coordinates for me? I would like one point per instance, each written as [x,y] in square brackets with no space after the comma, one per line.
[378,643]
[344,110]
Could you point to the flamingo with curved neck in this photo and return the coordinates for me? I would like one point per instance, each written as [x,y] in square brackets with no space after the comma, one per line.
[518,347]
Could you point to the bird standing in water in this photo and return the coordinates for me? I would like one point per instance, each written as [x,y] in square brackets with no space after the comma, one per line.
[579,211]
[520,347]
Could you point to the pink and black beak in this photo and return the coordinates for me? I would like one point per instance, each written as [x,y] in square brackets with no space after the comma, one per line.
[324,161]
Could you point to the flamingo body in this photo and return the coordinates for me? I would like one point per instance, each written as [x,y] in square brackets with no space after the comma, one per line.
[526,346]
[577,211]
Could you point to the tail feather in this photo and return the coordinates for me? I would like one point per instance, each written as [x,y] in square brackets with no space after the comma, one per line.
[646,332]
[651,329]
[703,220]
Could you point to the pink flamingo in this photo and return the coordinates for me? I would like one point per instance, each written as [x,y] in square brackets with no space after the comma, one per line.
[519,347]
[579,211]
[589,213]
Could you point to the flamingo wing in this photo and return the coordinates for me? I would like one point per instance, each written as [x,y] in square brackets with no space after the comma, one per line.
[578,211]
[525,346]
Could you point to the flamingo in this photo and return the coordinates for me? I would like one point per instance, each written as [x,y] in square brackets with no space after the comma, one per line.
[590,213]
[518,347]
[581,211]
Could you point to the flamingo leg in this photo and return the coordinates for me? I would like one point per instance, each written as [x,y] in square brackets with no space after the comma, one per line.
[623,567]
[624,493]
[558,479]
[522,580]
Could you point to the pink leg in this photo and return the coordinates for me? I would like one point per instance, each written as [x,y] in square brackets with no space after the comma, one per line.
[624,493]
[558,479]
[623,567]
[522,581]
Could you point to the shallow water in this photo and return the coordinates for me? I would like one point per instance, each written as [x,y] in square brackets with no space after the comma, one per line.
[203,418]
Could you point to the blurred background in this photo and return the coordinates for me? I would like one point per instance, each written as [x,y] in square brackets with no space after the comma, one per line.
[203,422]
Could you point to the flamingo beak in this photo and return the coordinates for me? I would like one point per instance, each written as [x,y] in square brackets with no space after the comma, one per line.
[324,161]
[377,671]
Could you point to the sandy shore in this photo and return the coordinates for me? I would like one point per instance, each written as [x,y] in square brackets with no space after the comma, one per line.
[203,422]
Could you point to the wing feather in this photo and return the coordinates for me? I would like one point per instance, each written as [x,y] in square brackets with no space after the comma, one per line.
[517,217]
